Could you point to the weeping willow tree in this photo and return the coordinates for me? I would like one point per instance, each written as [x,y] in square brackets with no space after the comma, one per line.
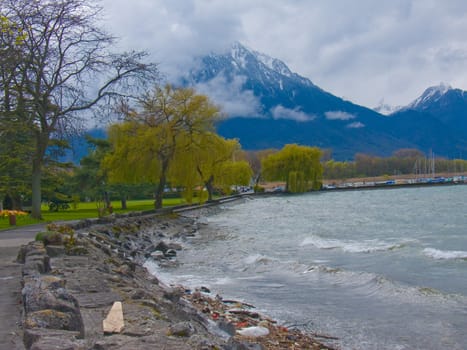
[234,173]
[207,160]
[298,166]
[148,146]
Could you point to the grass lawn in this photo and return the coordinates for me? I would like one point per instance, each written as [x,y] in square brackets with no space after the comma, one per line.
[85,211]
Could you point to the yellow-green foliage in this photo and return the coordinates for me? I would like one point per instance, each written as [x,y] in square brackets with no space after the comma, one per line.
[298,165]
[234,173]
[11,32]
[172,139]
[207,160]
[296,182]
[75,202]
[202,195]
[146,145]
[258,189]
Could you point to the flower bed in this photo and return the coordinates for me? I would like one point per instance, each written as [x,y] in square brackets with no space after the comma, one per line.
[12,215]
[7,213]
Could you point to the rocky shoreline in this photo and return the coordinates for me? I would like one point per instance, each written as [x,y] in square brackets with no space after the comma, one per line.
[69,290]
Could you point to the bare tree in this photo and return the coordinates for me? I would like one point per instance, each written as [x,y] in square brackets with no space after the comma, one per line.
[66,67]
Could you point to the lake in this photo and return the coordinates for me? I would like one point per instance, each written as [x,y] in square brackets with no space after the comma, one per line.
[378,269]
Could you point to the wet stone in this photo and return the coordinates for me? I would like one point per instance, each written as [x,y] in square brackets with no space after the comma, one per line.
[182,329]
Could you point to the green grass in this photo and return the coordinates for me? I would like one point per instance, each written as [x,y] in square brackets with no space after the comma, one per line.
[86,211]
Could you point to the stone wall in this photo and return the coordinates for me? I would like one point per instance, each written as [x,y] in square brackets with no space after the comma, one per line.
[67,297]
[52,317]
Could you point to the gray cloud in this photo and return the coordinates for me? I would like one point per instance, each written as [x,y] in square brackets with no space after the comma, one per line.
[363,50]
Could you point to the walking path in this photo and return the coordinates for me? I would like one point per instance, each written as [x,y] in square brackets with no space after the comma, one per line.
[10,284]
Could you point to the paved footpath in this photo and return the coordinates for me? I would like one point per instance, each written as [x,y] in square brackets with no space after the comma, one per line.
[10,284]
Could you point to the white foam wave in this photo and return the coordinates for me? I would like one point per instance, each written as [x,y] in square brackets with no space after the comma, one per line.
[371,284]
[224,281]
[445,254]
[366,246]
[362,283]
[156,271]
[257,259]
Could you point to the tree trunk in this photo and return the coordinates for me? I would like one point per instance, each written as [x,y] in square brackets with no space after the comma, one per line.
[210,187]
[159,194]
[42,140]
[7,202]
[257,178]
[160,191]
[107,199]
[36,190]
[123,200]
[17,203]
[158,197]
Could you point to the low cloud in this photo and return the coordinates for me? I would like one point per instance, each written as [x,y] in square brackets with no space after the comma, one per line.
[356,125]
[399,49]
[281,112]
[230,96]
[338,115]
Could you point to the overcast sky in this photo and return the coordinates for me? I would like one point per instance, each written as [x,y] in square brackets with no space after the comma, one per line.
[362,50]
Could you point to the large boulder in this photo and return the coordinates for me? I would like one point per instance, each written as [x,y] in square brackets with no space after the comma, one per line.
[46,292]
[47,339]
[36,264]
[47,304]
[35,259]
[53,319]
[181,329]
[32,248]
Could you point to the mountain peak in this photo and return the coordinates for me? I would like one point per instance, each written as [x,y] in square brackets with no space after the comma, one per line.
[240,52]
[245,59]
[430,95]
[386,109]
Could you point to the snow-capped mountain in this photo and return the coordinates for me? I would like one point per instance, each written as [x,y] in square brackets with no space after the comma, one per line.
[429,96]
[386,109]
[442,112]
[267,105]
[242,61]
[446,104]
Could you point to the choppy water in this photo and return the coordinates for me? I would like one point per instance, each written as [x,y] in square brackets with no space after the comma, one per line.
[379,269]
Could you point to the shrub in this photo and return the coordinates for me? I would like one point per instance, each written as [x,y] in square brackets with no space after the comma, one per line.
[258,189]
[57,235]
[50,238]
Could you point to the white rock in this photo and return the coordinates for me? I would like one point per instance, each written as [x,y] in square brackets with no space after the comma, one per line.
[255,331]
[113,323]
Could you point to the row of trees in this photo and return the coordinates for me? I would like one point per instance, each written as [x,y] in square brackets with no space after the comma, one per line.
[402,162]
